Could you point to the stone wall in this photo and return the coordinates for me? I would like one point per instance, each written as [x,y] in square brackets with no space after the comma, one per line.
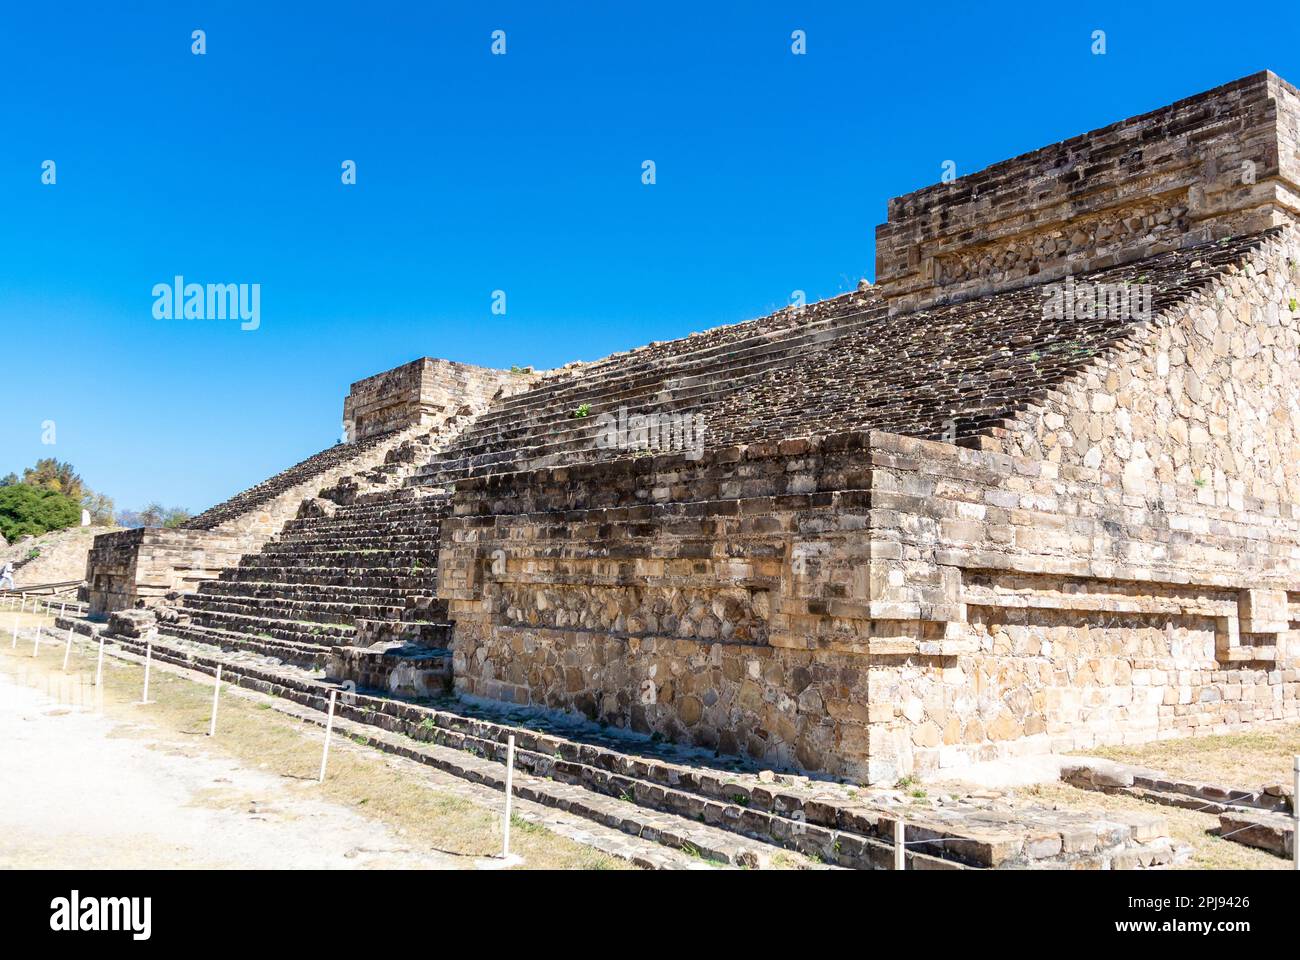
[873,605]
[1218,164]
[662,594]
[139,567]
[420,391]
[1078,613]
[1208,398]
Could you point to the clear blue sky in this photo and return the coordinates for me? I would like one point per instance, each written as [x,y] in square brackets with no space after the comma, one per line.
[478,172]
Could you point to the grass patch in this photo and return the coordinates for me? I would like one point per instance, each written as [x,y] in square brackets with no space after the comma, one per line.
[1244,760]
[1208,851]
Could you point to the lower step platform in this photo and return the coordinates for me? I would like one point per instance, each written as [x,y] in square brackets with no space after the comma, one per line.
[395,668]
[678,796]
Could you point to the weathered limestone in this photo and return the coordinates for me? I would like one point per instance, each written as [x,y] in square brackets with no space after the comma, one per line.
[1154,786]
[1210,397]
[404,416]
[930,522]
[421,392]
[129,568]
[1222,163]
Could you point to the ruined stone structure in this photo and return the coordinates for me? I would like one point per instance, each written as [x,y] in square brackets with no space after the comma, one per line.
[1037,489]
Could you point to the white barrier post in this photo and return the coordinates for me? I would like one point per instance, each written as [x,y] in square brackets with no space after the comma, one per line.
[329,728]
[510,785]
[22,607]
[900,851]
[63,606]
[99,665]
[36,649]
[14,645]
[148,662]
[67,652]
[1295,812]
[216,692]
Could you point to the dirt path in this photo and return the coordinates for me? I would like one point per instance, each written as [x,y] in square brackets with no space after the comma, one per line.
[81,790]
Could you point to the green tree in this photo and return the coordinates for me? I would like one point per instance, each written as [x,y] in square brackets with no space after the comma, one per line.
[154,514]
[175,516]
[101,507]
[25,509]
[8,480]
[55,475]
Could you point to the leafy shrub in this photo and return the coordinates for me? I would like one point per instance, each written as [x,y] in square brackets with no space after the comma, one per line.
[26,509]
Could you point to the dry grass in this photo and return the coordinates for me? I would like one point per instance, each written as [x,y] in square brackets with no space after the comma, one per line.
[1242,760]
[395,792]
[1209,852]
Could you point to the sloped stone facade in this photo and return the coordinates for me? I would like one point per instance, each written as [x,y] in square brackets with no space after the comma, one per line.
[929,523]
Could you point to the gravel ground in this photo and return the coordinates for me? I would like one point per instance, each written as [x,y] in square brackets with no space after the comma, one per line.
[84,791]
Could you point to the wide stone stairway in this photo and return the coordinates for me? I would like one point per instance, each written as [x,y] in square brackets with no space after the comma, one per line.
[307,591]
[360,562]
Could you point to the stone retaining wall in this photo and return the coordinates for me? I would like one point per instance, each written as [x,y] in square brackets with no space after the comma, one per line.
[657,594]
[872,605]
[1208,398]
[420,391]
[141,566]
[1076,613]
[1218,164]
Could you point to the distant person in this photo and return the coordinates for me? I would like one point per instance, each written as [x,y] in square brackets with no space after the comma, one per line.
[7,576]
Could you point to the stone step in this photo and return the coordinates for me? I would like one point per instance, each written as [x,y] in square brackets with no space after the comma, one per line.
[316,527]
[711,840]
[309,590]
[388,560]
[335,542]
[689,389]
[570,440]
[1265,830]
[308,656]
[286,630]
[325,462]
[318,605]
[833,827]
[706,843]
[699,360]
[308,611]
[357,578]
[406,494]
[1155,786]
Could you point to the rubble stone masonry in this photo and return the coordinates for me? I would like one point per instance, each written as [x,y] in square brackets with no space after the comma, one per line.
[931,523]
[1218,164]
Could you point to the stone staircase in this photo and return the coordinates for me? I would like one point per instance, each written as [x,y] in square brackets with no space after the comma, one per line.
[375,559]
[364,553]
[840,365]
[694,376]
[365,550]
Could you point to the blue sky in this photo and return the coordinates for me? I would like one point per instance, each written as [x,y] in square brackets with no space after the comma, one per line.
[478,173]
